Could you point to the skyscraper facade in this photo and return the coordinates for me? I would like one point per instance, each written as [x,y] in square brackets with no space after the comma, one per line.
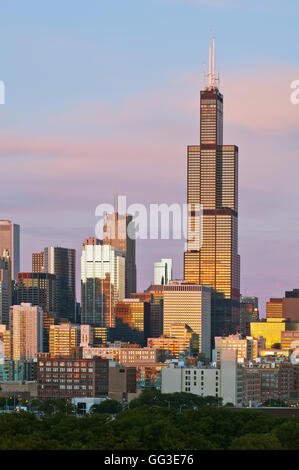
[212,256]
[62,263]
[102,282]
[38,262]
[10,241]
[26,327]
[163,271]
[119,231]
[5,288]
[37,289]
[190,305]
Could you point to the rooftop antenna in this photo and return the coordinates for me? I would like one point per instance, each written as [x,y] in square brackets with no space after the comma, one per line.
[213,76]
[210,61]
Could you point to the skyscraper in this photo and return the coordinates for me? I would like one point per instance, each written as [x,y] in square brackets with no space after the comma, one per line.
[5,287]
[26,328]
[190,305]
[38,263]
[102,282]
[119,231]
[37,289]
[62,263]
[10,241]
[212,256]
[163,271]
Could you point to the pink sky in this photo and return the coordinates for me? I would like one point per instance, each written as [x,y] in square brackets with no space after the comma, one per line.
[61,167]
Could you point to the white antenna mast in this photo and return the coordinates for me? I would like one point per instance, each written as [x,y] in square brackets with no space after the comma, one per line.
[213,76]
[210,62]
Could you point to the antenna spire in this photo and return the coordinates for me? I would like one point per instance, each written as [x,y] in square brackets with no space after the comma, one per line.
[210,61]
[213,79]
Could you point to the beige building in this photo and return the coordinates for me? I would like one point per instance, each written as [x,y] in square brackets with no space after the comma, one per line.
[63,339]
[247,348]
[189,304]
[122,355]
[26,329]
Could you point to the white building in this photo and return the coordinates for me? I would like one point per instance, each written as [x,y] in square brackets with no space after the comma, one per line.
[163,271]
[224,382]
[99,260]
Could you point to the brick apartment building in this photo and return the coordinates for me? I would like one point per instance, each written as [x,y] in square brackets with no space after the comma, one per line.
[72,377]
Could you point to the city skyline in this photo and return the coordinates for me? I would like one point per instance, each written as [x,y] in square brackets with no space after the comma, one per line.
[44,202]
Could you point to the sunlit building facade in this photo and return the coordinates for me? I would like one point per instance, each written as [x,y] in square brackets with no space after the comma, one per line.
[132,321]
[212,193]
[63,339]
[119,232]
[102,282]
[26,329]
[191,305]
[270,330]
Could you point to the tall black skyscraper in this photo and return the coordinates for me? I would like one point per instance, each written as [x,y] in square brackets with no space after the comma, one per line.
[62,263]
[212,256]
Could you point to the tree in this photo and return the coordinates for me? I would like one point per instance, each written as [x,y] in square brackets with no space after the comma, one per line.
[107,406]
[256,442]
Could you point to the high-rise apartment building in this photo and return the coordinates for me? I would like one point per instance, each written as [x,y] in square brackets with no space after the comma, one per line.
[63,339]
[62,263]
[10,241]
[102,282]
[26,329]
[5,288]
[119,232]
[212,256]
[191,305]
[163,271]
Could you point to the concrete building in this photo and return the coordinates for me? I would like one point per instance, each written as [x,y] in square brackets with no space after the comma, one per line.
[224,382]
[247,348]
[26,329]
[122,355]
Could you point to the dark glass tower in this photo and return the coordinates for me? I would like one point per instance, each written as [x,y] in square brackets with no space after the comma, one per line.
[212,256]
[62,263]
